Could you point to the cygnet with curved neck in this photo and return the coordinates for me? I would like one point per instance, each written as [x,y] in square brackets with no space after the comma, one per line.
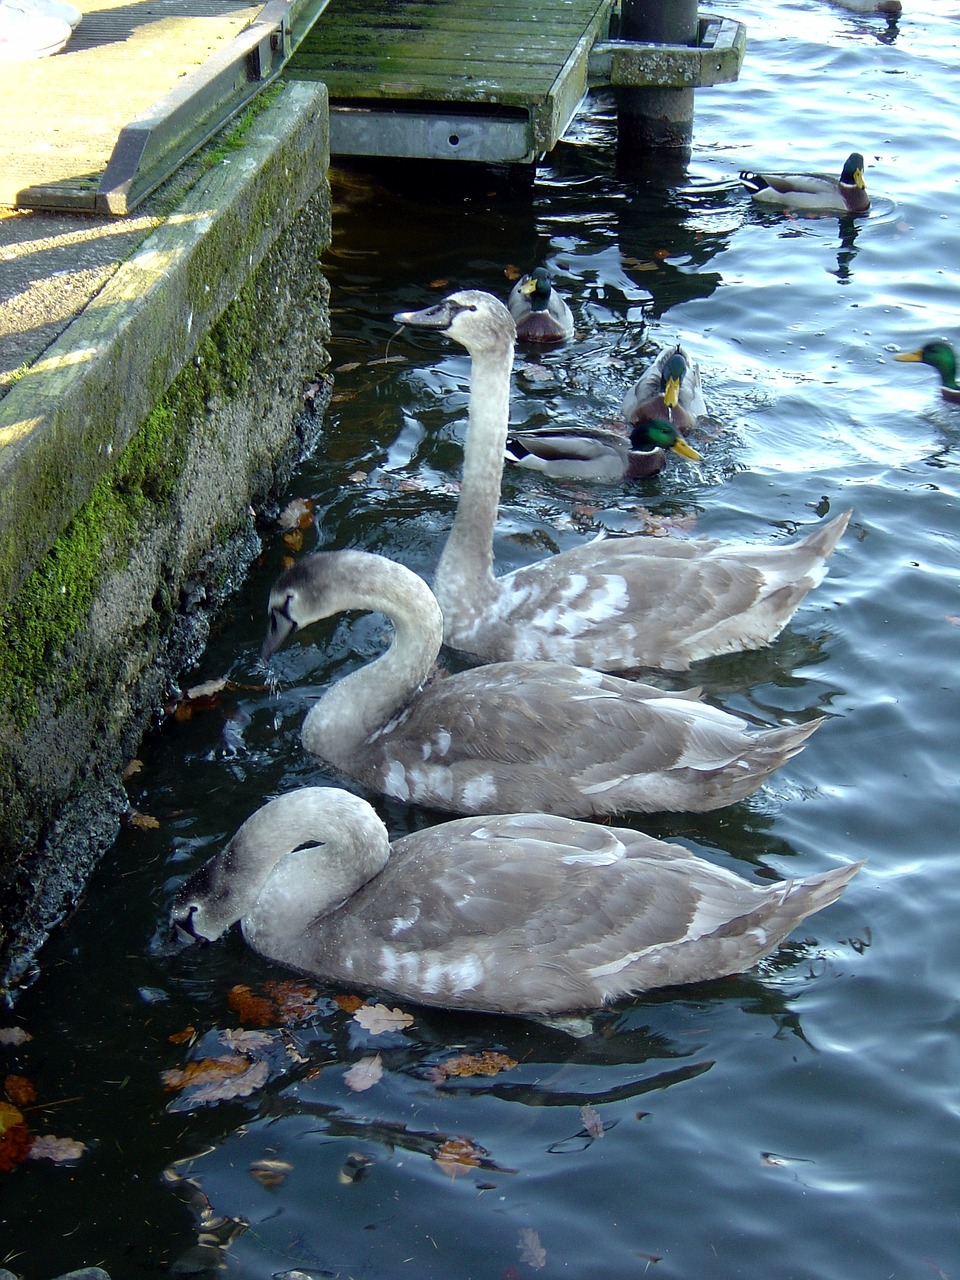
[512,735]
[515,913]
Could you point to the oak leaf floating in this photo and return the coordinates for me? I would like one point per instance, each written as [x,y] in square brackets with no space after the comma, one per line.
[231,1087]
[297,514]
[59,1150]
[14,1035]
[15,1139]
[378,1018]
[532,1251]
[592,1122]
[456,1155]
[364,1074]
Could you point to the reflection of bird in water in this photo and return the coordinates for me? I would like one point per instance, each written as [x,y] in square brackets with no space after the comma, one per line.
[941,356]
[538,311]
[817,192]
[518,913]
[512,735]
[615,604]
[669,389]
[593,453]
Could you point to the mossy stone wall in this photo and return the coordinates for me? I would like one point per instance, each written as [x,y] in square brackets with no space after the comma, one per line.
[121,603]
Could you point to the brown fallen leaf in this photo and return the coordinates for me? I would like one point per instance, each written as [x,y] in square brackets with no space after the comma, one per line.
[185,1036]
[378,1018]
[251,1008]
[237,1086]
[294,999]
[532,1251]
[358,477]
[142,821]
[456,1155]
[15,1138]
[20,1090]
[488,1063]
[245,1042]
[203,1071]
[297,514]
[294,539]
[512,273]
[364,1074]
[59,1150]
[349,1004]
[206,690]
[133,767]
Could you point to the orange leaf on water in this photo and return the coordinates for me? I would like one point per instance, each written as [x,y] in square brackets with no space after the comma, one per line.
[488,1063]
[250,1007]
[349,1004]
[15,1139]
[20,1090]
[456,1155]
[203,1072]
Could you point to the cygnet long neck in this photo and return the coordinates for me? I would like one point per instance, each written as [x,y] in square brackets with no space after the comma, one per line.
[470,544]
[363,702]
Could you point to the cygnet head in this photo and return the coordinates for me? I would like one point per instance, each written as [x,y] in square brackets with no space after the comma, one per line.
[477,320]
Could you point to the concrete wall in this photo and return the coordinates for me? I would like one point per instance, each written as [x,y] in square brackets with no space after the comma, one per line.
[129,456]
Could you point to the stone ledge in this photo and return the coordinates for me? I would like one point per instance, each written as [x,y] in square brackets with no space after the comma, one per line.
[84,399]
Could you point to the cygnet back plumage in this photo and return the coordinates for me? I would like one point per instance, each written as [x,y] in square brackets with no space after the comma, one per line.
[508,736]
[616,604]
[516,913]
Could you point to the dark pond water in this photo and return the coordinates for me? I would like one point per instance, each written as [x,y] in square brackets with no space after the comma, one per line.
[802,1121]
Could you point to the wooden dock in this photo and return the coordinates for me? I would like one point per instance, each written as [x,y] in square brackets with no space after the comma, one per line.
[487,80]
[138,88]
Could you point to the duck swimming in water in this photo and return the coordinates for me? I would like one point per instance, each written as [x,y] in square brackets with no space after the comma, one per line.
[615,604]
[670,389]
[538,311]
[592,453]
[516,914]
[511,735]
[817,192]
[938,355]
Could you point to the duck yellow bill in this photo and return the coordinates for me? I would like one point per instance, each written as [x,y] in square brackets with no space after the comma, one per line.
[912,357]
[686,451]
[671,393]
[529,286]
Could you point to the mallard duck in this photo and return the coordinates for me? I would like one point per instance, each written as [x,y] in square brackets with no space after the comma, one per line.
[520,913]
[941,356]
[814,191]
[592,453]
[539,312]
[616,604]
[669,389]
[513,735]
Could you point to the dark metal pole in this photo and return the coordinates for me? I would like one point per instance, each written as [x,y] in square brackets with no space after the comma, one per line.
[652,119]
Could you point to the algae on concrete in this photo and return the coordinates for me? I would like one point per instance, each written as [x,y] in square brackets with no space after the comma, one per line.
[117,600]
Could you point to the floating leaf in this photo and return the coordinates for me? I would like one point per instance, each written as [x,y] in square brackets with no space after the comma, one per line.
[250,1007]
[297,514]
[247,1042]
[14,1035]
[364,1074]
[207,690]
[488,1063]
[532,1251]
[378,1018]
[15,1139]
[456,1155]
[203,1072]
[185,1036]
[236,1086]
[270,1173]
[133,767]
[142,821]
[293,999]
[20,1090]
[294,539]
[591,1121]
[349,1004]
[358,477]
[512,272]
[440,283]
[59,1150]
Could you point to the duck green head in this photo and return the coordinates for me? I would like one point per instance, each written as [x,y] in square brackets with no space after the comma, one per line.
[852,175]
[658,434]
[940,356]
[537,288]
